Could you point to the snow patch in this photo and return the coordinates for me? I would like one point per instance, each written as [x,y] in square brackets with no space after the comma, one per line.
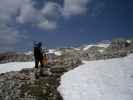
[101,50]
[97,45]
[128,41]
[76,49]
[87,47]
[57,53]
[99,80]
[28,53]
[15,66]
[51,51]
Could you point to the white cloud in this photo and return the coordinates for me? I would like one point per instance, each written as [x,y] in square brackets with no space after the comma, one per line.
[28,14]
[75,7]
[48,25]
[8,8]
[45,18]
[51,10]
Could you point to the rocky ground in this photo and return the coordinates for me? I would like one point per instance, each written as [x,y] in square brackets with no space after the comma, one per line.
[23,85]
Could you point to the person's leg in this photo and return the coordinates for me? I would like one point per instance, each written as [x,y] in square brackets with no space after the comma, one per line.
[36,63]
[41,68]
[36,69]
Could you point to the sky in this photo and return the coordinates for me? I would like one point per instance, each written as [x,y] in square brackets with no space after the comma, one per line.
[62,23]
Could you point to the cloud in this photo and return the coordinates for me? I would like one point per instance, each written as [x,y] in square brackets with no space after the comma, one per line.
[48,15]
[45,18]
[51,13]
[8,37]
[75,7]
[27,12]
[48,25]
[24,11]
[51,10]
[9,8]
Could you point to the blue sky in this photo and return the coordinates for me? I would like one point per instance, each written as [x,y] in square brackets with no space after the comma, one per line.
[60,23]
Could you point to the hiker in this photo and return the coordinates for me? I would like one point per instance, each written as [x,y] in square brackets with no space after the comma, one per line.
[38,55]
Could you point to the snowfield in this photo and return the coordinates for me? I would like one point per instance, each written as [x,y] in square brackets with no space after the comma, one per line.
[99,80]
[15,66]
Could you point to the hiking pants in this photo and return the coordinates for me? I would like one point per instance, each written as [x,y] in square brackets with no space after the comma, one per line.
[37,63]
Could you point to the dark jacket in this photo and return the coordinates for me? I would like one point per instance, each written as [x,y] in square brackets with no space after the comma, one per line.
[38,52]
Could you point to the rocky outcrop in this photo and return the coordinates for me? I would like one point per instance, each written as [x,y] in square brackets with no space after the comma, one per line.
[117,48]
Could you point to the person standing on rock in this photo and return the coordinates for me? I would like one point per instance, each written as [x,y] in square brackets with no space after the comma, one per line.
[38,55]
